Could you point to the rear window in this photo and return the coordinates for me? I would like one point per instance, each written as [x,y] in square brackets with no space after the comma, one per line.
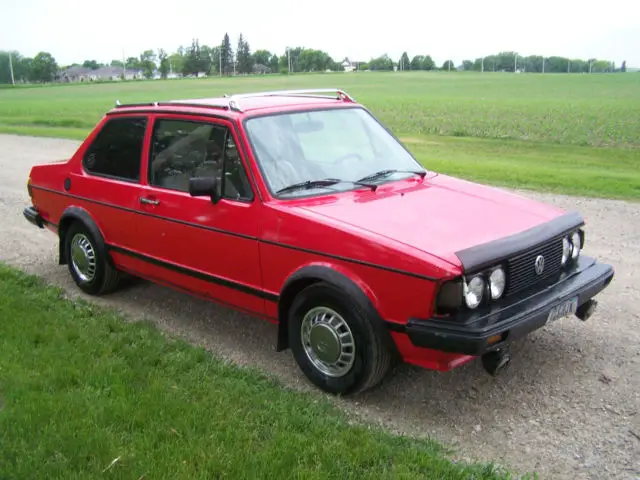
[117,149]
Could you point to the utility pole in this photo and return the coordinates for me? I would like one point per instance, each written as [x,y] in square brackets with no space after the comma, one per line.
[569,66]
[542,64]
[220,56]
[482,67]
[289,58]
[589,65]
[124,67]
[515,63]
[13,82]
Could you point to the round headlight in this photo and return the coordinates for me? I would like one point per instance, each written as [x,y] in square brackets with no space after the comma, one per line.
[473,292]
[497,282]
[566,250]
[575,240]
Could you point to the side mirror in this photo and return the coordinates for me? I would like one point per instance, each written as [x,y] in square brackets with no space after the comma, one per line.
[204,187]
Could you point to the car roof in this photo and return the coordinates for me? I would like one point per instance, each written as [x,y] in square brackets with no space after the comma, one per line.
[245,104]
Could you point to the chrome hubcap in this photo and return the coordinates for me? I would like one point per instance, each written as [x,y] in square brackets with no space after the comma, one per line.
[328,341]
[83,257]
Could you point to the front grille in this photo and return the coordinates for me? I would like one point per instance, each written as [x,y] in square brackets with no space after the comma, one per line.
[521,271]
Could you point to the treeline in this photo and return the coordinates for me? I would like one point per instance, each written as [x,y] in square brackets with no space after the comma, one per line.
[229,59]
[511,61]
[501,62]
[196,59]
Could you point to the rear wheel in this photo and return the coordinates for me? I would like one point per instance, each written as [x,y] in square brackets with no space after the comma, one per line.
[88,264]
[334,343]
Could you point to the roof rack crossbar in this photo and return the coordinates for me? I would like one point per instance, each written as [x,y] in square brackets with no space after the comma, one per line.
[194,104]
[173,103]
[310,92]
[231,102]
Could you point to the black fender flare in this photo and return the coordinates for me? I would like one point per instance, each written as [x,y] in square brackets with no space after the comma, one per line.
[79,214]
[311,274]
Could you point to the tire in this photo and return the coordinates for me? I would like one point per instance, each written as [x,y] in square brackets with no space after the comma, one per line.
[91,270]
[357,369]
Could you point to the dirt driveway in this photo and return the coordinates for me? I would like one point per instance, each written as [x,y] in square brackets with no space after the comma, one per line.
[568,406]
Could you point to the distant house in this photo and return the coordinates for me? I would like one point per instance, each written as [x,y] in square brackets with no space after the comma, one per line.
[350,66]
[76,74]
[82,74]
[261,69]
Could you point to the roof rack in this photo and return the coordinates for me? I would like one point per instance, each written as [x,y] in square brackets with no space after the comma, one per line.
[179,103]
[311,92]
[232,102]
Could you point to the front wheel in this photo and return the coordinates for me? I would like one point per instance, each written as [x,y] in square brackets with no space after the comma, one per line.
[334,343]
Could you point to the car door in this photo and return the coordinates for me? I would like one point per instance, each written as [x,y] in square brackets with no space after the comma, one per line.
[108,184]
[190,242]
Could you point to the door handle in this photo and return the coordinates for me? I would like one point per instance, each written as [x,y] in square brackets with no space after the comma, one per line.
[148,201]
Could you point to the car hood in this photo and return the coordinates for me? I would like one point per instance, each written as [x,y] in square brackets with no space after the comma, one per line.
[439,216]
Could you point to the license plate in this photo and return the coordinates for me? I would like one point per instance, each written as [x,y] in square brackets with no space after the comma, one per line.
[563,310]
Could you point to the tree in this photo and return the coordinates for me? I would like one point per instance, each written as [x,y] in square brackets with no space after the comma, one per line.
[43,68]
[428,63]
[262,56]
[92,64]
[623,67]
[21,67]
[163,58]
[467,65]
[310,60]
[133,63]
[116,63]
[192,60]
[207,58]
[243,56]
[382,62]
[404,63]
[148,63]
[448,65]
[416,62]
[273,63]
[176,62]
[226,54]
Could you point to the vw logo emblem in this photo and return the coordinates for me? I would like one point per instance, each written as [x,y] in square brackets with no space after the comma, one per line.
[539,264]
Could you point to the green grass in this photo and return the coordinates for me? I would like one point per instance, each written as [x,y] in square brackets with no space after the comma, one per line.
[584,171]
[81,388]
[562,133]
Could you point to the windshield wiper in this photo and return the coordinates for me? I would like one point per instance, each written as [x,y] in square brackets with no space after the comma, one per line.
[384,173]
[325,182]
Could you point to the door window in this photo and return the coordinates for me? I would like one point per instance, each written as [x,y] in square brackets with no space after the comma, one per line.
[182,149]
[117,149]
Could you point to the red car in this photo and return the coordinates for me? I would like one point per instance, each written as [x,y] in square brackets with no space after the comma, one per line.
[301,208]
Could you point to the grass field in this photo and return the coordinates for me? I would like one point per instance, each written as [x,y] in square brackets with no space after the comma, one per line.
[577,134]
[84,394]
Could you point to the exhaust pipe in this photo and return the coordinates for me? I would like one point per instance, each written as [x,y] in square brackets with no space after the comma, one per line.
[496,361]
[586,310]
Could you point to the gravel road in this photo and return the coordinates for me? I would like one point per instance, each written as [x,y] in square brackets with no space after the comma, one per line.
[568,406]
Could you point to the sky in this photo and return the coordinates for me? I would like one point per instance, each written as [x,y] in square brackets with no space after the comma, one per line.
[75,30]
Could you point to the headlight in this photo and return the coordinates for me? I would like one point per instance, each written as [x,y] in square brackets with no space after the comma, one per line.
[497,282]
[473,292]
[566,250]
[575,240]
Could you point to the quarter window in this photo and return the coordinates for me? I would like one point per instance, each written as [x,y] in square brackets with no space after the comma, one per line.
[182,149]
[117,149]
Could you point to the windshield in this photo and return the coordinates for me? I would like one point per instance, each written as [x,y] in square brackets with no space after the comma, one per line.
[344,144]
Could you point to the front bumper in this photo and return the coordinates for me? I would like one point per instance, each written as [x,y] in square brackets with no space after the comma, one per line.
[32,215]
[476,333]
